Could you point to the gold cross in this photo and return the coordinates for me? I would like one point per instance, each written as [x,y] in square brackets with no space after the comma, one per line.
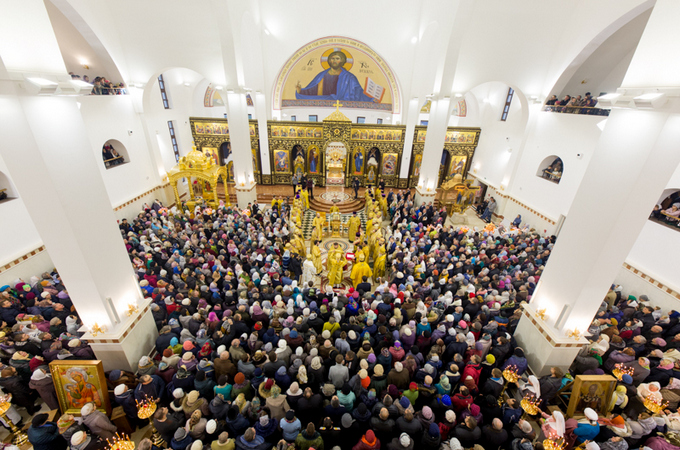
[337,105]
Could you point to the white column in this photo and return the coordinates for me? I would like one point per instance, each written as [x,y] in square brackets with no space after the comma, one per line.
[637,153]
[261,112]
[636,156]
[239,135]
[46,150]
[56,172]
[432,152]
[411,122]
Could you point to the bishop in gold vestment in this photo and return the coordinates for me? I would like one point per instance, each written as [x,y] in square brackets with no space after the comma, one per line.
[354,225]
[360,270]
[335,263]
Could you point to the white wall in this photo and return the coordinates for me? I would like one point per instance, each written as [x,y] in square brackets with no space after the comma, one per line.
[656,253]
[304,113]
[493,162]
[605,68]
[19,233]
[113,117]
[634,284]
[564,135]
[33,266]
[185,101]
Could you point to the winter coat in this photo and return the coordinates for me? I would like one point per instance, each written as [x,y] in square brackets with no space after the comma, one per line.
[45,388]
[278,407]
[400,379]
[304,441]
[21,394]
[100,425]
[466,436]
[46,437]
[290,429]
[396,445]
[256,444]
[364,445]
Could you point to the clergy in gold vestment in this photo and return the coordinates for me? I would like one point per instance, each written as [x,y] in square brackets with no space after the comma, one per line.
[317,223]
[336,262]
[369,223]
[379,262]
[353,225]
[305,198]
[298,244]
[316,257]
[376,237]
[360,270]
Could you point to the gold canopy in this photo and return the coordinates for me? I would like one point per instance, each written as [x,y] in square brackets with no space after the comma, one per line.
[456,195]
[200,167]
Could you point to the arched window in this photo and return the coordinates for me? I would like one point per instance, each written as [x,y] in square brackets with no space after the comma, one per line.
[114,154]
[7,191]
[551,169]
[667,209]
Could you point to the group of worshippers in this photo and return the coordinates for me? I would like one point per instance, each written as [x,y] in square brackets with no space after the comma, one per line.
[638,343]
[248,359]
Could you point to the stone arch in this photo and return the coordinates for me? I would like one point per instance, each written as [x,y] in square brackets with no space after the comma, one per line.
[572,67]
[282,86]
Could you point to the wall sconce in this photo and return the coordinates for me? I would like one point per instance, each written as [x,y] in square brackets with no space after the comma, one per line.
[44,85]
[132,309]
[96,329]
[650,101]
[615,100]
[576,334]
[541,313]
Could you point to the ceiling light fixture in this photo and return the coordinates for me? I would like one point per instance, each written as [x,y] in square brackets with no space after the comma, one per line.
[650,100]
[607,100]
[42,81]
[81,83]
[414,39]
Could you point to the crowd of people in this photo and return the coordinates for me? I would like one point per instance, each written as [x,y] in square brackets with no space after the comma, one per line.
[248,358]
[574,105]
[101,85]
[111,157]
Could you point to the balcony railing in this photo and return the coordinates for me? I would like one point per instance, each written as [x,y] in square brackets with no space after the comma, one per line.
[118,160]
[586,110]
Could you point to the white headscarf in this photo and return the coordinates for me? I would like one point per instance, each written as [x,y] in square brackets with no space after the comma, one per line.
[534,386]
[557,423]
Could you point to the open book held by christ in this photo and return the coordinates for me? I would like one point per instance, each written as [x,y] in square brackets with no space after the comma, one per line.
[373,90]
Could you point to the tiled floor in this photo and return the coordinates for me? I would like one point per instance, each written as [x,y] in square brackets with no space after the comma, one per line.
[307,226]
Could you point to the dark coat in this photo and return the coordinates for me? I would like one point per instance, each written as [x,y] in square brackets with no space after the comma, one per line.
[21,394]
[45,388]
[167,428]
[46,437]
[466,436]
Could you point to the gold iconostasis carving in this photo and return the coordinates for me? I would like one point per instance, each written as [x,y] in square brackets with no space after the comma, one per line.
[373,152]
